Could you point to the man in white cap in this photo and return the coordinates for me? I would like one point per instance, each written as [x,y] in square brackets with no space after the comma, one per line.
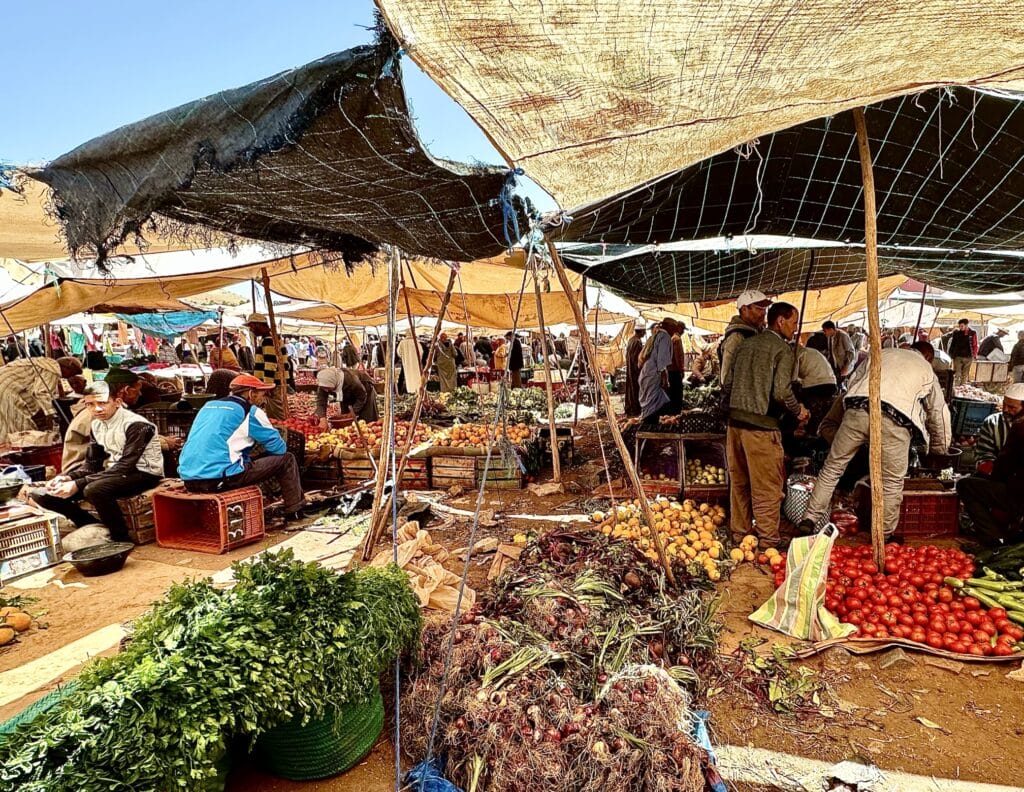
[752,306]
[996,428]
[1017,358]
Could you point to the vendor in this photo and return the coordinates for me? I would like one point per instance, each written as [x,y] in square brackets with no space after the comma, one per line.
[995,503]
[912,407]
[633,348]
[991,343]
[28,387]
[705,367]
[996,428]
[222,358]
[216,454]
[265,362]
[655,359]
[447,365]
[353,389]
[123,459]
[814,384]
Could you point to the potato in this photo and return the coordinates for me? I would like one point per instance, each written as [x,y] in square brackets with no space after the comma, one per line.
[18,620]
[6,634]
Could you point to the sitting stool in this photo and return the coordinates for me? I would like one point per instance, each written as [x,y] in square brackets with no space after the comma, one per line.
[207,522]
[138,515]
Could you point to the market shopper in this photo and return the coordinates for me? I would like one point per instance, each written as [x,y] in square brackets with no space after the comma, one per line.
[841,353]
[655,358]
[515,358]
[354,390]
[751,308]
[962,346]
[216,455]
[991,343]
[706,367]
[28,387]
[996,428]
[759,394]
[165,353]
[222,358]
[123,459]
[633,348]
[447,367]
[265,362]
[676,369]
[1017,358]
[913,412]
[995,502]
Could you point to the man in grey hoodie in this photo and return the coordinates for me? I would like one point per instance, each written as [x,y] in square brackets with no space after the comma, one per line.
[748,322]
[760,394]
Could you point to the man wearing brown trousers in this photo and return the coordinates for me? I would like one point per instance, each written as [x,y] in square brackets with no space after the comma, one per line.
[760,394]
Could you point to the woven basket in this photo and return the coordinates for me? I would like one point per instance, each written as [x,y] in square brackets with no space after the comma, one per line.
[322,748]
[27,715]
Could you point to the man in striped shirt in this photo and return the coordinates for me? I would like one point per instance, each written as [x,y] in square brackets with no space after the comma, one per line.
[996,428]
[266,362]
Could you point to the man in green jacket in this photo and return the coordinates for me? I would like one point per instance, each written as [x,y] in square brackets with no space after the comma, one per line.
[760,395]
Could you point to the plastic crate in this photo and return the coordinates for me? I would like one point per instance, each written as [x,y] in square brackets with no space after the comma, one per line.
[208,523]
[28,544]
[659,459]
[926,514]
[968,415]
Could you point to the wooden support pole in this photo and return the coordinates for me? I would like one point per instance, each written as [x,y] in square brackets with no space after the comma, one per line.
[378,513]
[613,426]
[375,528]
[556,462]
[920,312]
[282,361]
[874,341]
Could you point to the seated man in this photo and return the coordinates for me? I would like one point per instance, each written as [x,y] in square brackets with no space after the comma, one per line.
[995,503]
[123,459]
[996,428]
[216,454]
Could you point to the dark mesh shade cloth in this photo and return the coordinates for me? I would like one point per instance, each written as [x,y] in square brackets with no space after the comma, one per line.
[699,276]
[323,155]
[949,175]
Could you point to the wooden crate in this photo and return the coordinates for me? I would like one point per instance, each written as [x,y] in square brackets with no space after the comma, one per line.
[448,471]
[319,474]
[138,516]
[499,476]
[415,477]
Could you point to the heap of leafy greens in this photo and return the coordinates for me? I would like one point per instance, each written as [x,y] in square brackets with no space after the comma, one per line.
[205,666]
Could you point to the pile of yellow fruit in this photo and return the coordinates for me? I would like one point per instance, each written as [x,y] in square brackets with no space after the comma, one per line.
[355,437]
[687,531]
[699,473]
[747,550]
[472,435]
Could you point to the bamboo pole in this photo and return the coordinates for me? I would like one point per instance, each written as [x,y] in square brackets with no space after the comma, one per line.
[373,534]
[394,266]
[874,341]
[282,363]
[920,312]
[556,462]
[613,426]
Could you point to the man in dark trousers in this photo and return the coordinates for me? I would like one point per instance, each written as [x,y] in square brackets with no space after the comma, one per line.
[995,502]
[636,343]
[963,348]
[515,359]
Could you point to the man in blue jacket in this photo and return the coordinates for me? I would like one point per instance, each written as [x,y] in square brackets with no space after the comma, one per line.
[216,454]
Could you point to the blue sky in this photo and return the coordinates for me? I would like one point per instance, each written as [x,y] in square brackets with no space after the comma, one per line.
[74,70]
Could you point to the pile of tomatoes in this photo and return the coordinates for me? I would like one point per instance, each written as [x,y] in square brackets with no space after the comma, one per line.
[308,425]
[908,599]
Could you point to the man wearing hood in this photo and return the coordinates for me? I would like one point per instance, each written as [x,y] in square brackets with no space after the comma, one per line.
[752,307]
[447,369]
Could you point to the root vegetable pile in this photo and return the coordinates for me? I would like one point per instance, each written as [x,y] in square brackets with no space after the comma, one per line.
[922,594]
[566,676]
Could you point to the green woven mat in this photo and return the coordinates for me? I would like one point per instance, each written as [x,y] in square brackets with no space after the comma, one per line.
[47,702]
[325,747]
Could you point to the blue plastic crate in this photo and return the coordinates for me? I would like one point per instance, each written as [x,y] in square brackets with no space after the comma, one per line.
[968,415]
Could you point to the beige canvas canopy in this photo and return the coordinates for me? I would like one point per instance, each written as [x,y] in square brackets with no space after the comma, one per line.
[594,98]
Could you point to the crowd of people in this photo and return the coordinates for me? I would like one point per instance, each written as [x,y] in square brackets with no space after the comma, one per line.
[781,395]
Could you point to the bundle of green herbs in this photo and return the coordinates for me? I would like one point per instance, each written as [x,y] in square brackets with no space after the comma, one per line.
[207,665]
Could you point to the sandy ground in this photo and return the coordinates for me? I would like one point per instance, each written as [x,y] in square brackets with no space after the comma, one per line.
[872,712]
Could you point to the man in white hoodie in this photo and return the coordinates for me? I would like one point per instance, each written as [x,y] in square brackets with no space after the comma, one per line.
[913,409]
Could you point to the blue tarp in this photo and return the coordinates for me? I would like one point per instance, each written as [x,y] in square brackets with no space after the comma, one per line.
[168,324]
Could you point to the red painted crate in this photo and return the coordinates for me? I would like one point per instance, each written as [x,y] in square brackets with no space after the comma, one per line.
[208,523]
[929,515]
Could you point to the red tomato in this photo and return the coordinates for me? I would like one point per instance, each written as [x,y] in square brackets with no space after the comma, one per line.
[881,632]
[971,604]
[934,640]
[958,646]
[988,626]
[997,613]
[945,594]
[854,617]
[869,567]
[1002,650]
[916,580]
[854,602]
[973,618]
[1015,632]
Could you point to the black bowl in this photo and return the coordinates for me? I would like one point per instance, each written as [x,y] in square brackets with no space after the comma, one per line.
[101,559]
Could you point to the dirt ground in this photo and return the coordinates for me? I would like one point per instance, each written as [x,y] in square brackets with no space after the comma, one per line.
[867,713]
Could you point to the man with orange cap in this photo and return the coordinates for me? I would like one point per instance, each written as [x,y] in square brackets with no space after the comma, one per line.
[216,454]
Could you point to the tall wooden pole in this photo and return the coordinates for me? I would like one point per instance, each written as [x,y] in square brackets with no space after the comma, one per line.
[282,361]
[373,534]
[920,312]
[379,513]
[556,462]
[613,426]
[874,341]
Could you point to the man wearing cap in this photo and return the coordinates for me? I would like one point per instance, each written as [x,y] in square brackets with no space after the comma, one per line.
[353,389]
[265,362]
[962,346]
[996,428]
[748,322]
[216,453]
[840,350]
[991,343]
[760,395]
[993,496]
[1017,358]
[123,459]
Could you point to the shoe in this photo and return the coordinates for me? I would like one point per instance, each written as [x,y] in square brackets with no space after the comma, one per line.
[295,516]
